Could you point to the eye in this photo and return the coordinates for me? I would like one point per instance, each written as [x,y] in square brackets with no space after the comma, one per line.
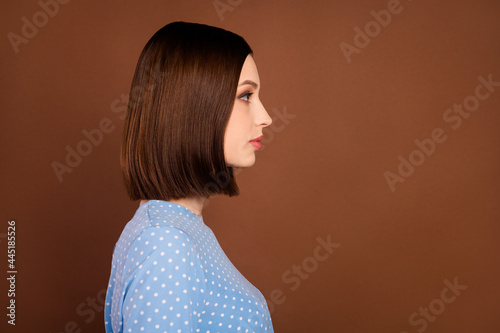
[246,96]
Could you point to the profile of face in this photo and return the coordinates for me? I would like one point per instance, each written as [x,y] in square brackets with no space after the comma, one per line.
[247,120]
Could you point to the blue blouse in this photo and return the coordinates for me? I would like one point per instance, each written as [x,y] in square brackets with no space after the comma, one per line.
[169,274]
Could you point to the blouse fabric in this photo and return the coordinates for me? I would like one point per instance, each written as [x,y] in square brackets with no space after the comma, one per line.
[169,274]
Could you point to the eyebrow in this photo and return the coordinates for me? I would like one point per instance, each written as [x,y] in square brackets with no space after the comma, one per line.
[250,82]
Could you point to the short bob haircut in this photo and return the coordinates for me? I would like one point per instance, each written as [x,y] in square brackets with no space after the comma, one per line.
[181,98]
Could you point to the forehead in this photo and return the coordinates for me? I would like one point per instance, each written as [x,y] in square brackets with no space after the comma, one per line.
[249,70]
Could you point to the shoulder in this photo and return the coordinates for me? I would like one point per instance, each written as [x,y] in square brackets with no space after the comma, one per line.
[155,222]
[160,250]
[165,238]
[166,214]
[156,231]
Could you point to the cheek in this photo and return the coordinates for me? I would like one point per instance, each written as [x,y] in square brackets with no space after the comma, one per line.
[232,134]
[238,126]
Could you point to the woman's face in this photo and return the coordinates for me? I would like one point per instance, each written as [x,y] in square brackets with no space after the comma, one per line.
[247,119]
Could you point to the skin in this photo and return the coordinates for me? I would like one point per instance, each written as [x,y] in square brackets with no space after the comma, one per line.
[247,120]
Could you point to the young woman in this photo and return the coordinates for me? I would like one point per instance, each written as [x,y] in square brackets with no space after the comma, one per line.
[194,114]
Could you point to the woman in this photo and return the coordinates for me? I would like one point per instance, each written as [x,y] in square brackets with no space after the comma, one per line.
[194,114]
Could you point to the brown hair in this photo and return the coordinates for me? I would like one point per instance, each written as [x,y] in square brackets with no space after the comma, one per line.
[181,98]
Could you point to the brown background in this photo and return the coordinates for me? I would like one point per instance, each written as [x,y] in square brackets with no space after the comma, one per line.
[321,173]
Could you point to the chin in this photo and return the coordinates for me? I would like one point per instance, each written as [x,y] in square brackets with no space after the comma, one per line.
[243,163]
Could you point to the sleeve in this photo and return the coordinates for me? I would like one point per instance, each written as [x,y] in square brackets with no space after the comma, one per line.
[165,289]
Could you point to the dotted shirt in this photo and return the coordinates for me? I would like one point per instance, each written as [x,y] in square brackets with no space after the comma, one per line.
[169,274]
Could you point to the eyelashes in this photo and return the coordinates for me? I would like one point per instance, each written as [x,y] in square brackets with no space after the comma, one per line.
[245,96]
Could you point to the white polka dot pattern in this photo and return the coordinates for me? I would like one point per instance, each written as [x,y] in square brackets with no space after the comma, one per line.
[169,274]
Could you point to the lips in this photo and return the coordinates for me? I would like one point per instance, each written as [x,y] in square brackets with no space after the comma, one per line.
[257,139]
[255,142]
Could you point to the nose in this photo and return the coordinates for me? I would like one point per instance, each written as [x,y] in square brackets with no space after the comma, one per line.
[263,118]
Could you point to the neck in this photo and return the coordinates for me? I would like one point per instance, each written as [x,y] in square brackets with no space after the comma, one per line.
[194,204]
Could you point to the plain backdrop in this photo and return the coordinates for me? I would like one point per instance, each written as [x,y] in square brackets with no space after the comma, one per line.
[356,89]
